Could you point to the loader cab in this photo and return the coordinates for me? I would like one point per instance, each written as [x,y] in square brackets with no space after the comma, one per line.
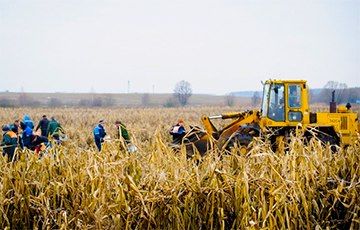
[284,103]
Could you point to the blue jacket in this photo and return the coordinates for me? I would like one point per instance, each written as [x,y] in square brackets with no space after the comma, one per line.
[99,133]
[28,122]
[26,136]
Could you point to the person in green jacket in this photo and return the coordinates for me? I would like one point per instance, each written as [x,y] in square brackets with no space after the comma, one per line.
[53,129]
[9,142]
[15,127]
[122,133]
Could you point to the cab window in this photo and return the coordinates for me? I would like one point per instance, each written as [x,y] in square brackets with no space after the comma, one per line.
[265,98]
[294,96]
[276,103]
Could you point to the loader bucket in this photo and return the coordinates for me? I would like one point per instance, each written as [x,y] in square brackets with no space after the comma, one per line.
[200,146]
[195,141]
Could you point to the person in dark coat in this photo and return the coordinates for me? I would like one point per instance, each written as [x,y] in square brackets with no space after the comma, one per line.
[99,134]
[9,142]
[36,142]
[178,131]
[43,124]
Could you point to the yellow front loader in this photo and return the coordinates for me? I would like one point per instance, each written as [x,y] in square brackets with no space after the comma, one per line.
[285,106]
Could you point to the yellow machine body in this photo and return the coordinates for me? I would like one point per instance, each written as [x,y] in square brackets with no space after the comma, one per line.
[285,106]
[342,125]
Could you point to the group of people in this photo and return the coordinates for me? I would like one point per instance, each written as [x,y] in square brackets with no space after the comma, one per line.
[29,137]
[122,134]
[177,131]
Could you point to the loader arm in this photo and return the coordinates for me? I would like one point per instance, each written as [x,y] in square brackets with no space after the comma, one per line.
[209,126]
[243,123]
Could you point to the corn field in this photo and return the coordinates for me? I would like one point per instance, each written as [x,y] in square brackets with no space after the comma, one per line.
[73,186]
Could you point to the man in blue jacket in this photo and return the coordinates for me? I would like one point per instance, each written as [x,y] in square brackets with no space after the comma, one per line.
[28,122]
[99,134]
[27,131]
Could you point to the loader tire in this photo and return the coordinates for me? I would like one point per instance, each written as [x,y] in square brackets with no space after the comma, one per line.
[326,139]
[242,140]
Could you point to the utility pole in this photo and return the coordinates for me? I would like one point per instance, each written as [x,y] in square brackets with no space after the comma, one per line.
[92,94]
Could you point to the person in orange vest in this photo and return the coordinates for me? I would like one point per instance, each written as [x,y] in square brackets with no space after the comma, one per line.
[38,142]
[9,142]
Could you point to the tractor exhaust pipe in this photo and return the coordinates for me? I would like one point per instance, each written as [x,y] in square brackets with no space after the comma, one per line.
[333,103]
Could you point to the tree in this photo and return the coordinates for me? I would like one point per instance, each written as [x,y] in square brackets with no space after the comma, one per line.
[85,102]
[54,102]
[171,102]
[183,92]
[255,100]
[229,99]
[96,102]
[354,95]
[109,100]
[341,92]
[4,102]
[145,99]
[26,100]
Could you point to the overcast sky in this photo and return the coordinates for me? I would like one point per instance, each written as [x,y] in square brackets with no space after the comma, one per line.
[218,46]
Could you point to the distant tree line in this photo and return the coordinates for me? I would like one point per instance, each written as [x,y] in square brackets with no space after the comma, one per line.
[180,97]
[343,94]
[25,100]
